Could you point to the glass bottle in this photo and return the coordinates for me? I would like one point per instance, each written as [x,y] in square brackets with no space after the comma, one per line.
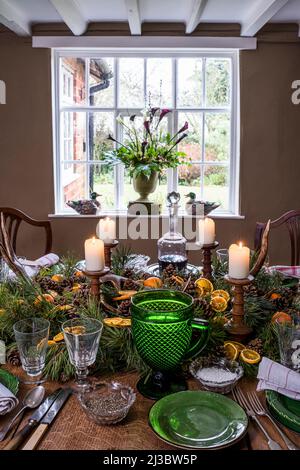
[172,245]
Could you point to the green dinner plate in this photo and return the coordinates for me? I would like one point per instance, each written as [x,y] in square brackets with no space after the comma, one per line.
[284,409]
[198,420]
[9,381]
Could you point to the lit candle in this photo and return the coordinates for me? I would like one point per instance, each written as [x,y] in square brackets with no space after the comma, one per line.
[207,231]
[106,230]
[239,261]
[94,254]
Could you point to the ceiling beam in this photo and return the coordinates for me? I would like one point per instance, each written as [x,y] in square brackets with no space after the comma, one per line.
[71,15]
[13,19]
[195,16]
[133,14]
[264,12]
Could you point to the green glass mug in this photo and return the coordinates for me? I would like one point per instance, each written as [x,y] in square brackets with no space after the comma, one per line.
[165,334]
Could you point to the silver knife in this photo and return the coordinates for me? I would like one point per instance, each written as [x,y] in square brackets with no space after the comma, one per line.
[33,421]
[45,422]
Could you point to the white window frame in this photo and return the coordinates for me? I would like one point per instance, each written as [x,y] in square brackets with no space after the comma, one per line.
[233,109]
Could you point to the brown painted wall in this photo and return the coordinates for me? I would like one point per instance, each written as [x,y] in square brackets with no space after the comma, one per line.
[270,145]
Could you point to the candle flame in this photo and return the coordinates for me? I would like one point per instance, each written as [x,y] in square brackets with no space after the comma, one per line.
[240,244]
[93,240]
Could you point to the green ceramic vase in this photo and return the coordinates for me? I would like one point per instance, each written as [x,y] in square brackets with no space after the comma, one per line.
[165,333]
[144,185]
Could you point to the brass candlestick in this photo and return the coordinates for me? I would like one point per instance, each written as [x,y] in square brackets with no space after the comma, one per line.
[108,247]
[95,281]
[207,268]
[236,327]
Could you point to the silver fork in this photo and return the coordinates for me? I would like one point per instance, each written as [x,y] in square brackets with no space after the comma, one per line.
[259,409]
[241,399]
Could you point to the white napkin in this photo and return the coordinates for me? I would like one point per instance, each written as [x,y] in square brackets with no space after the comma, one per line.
[7,400]
[32,267]
[274,376]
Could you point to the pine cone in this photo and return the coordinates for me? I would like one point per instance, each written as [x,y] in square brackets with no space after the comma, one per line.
[202,308]
[256,345]
[169,271]
[13,358]
[124,308]
[191,288]
[130,284]
[219,351]
[128,273]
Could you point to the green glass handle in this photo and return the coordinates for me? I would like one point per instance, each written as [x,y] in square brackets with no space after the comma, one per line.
[201,328]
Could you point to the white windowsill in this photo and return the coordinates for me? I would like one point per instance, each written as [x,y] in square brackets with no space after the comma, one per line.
[123,214]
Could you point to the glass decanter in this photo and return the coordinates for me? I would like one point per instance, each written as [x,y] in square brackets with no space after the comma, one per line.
[172,245]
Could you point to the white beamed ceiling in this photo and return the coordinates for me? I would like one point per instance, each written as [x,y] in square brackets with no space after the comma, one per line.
[215,11]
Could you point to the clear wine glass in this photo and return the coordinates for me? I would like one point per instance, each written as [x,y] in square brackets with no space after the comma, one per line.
[32,340]
[82,337]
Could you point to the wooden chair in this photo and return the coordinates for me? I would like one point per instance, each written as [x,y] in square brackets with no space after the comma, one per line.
[14,217]
[292,221]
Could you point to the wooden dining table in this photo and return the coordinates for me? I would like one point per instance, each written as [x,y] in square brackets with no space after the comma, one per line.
[73,430]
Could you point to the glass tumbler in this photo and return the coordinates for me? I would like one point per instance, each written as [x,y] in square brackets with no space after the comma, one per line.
[82,337]
[32,340]
[289,343]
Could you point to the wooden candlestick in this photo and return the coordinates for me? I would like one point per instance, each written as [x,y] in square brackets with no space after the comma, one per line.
[207,268]
[107,252]
[236,326]
[95,281]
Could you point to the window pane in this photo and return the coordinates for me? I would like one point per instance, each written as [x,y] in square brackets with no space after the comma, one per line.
[189,79]
[131,81]
[72,80]
[189,180]
[217,137]
[73,178]
[218,73]
[159,82]
[101,83]
[101,180]
[192,144]
[73,136]
[100,126]
[216,185]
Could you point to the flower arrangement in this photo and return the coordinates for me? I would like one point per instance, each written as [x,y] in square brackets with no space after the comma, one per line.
[148,149]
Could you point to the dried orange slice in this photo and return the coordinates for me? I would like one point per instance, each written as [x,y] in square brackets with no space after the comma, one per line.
[218,304]
[76,287]
[200,292]
[239,346]
[57,278]
[79,274]
[205,284]
[153,282]
[281,317]
[221,293]
[125,295]
[51,342]
[231,351]
[75,330]
[117,322]
[64,308]
[178,280]
[59,337]
[44,297]
[249,356]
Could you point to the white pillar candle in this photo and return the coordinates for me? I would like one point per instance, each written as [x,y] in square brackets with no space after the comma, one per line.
[207,232]
[239,261]
[94,254]
[106,230]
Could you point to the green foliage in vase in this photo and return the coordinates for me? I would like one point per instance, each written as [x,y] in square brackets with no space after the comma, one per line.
[149,148]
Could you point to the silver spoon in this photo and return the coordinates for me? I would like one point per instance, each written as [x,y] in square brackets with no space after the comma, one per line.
[32,399]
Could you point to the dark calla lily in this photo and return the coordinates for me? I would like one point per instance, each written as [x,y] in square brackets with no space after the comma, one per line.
[184,127]
[163,112]
[147,126]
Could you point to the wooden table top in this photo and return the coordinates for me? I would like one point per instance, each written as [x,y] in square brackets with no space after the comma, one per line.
[73,430]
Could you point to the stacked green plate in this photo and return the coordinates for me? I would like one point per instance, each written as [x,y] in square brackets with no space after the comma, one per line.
[284,409]
[198,420]
[9,381]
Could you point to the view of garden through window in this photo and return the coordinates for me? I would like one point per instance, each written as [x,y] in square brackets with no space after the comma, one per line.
[93,92]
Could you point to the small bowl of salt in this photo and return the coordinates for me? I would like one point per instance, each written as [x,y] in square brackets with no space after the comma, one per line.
[216,375]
